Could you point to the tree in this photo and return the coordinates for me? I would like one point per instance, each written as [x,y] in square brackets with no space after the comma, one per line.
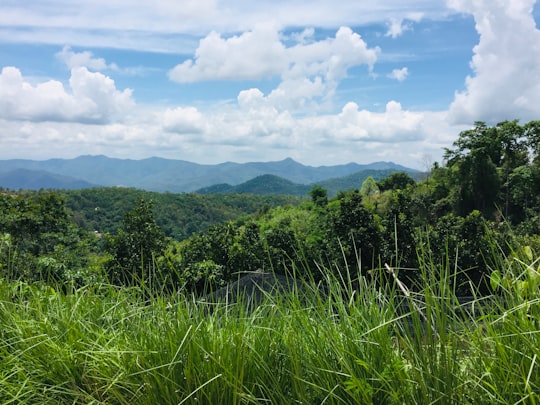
[319,196]
[369,188]
[514,154]
[485,158]
[532,136]
[137,244]
[399,231]
[480,184]
[473,163]
[396,181]
[43,243]
[355,231]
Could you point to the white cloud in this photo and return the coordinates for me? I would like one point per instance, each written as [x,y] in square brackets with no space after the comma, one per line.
[397,27]
[149,25]
[93,98]
[316,68]
[310,70]
[392,125]
[255,130]
[183,120]
[346,135]
[83,59]
[399,74]
[251,55]
[261,54]
[506,63]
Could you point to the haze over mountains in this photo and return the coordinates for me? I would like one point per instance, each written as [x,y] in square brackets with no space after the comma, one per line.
[158,174]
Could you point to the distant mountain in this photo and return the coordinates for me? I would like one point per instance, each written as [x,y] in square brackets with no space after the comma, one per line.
[157,174]
[270,184]
[37,179]
[355,180]
[265,184]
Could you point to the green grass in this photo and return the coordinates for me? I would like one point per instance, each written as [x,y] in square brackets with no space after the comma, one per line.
[106,345]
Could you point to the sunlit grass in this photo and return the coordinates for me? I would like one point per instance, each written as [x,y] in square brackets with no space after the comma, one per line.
[107,345]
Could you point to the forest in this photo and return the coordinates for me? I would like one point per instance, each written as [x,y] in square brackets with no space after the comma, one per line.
[90,275]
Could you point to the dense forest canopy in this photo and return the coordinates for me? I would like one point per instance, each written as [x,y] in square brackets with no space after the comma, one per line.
[179,215]
[483,196]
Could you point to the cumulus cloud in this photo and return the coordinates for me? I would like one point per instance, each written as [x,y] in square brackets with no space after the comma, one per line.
[399,74]
[257,122]
[245,57]
[316,68]
[253,131]
[259,118]
[251,55]
[392,125]
[506,64]
[83,59]
[310,70]
[93,98]
[257,126]
[183,120]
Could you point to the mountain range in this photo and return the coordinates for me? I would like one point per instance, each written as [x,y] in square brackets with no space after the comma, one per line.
[159,174]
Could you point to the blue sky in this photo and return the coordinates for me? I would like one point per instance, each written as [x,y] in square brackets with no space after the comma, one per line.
[235,80]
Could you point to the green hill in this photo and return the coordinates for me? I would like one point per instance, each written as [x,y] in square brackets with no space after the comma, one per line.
[180,215]
[265,184]
[271,184]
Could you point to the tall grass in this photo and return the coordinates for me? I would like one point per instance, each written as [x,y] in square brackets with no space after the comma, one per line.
[368,344]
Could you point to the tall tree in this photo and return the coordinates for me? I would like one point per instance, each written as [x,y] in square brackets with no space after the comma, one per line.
[137,244]
[473,161]
[319,196]
[357,230]
[396,181]
[369,188]
[514,154]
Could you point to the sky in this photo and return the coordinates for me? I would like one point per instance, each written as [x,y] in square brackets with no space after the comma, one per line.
[210,81]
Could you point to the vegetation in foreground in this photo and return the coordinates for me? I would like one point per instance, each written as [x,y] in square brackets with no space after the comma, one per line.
[107,345]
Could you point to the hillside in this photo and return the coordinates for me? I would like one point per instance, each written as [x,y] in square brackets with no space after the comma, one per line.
[355,180]
[37,179]
[265,184]
[179,215]
[270,184]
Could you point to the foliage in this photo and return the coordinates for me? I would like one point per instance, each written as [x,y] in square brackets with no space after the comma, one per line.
[264,184]
[105,345]
[355,230]
[40,242]
[461,208]
[396,181]
[223,251]
[319,196]
[482,163]
[355,180]
[179,215]
[369,187]
[136,246]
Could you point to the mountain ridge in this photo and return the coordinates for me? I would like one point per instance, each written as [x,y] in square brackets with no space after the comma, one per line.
[161,174]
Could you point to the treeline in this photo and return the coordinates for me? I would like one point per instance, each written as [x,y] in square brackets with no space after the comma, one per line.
[482,198]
